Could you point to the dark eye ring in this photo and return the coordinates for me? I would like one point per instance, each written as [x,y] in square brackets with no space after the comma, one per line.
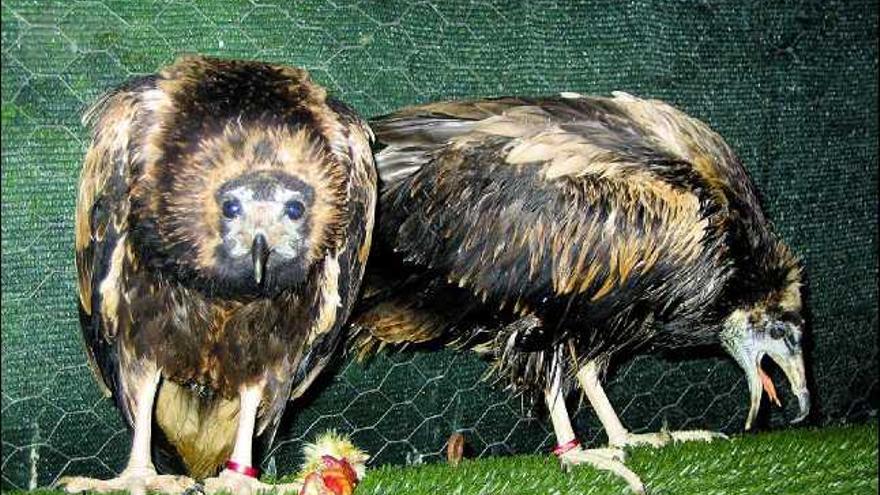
[231,208]
[777,331]
[294,209]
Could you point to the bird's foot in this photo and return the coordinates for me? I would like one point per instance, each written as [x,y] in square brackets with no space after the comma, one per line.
[134,481]
[701,435]
[663,437]
[607,459]
[231,482]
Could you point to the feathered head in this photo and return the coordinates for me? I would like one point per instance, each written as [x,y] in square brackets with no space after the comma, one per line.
[240,191]
[772,326]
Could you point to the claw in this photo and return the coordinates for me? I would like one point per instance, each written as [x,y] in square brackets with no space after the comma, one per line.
[131,481]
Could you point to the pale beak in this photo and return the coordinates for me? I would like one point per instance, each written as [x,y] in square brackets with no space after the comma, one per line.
[793,366]
[792,363]
[259,254]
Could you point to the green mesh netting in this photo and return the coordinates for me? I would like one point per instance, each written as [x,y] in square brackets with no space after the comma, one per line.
[791,85]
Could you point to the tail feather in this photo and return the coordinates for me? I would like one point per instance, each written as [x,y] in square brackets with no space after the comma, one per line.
[166,460]
[200,432]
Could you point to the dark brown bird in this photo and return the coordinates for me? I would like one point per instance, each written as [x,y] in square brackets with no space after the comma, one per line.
[223,222]
[557,233]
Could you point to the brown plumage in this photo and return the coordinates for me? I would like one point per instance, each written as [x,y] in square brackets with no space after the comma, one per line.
[222,227]
[556,233]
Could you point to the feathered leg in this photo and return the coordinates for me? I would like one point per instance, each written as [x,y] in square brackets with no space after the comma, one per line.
[606,459]
[618,435]
[139,475]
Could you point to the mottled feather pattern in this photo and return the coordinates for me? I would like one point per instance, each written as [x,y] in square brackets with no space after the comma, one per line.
[614,222]
[102,216]
[155,290]
[355,136]
[205,144]
[570,232]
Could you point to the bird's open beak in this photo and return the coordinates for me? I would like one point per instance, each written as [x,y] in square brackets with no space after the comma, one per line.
[259,254]
[791,362]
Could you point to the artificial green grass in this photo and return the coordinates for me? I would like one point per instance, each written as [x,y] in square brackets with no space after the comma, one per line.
[827,461]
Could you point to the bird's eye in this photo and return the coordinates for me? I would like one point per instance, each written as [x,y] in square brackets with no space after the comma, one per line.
[231,208]
[294,209]
[777,331]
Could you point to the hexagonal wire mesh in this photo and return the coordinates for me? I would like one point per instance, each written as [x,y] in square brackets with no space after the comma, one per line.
[792,86]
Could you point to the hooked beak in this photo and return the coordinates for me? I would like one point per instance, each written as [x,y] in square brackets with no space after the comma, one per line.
[792,364]
[259,255]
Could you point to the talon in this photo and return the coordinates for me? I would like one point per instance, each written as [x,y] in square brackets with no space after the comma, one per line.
[130,481]
[232,482]
[196,489]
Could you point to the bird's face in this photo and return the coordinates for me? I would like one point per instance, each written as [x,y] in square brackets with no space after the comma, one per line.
[250,210]
[750,334]
[264,226]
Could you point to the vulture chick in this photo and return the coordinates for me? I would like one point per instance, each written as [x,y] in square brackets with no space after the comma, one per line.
[223,222]
[555,233]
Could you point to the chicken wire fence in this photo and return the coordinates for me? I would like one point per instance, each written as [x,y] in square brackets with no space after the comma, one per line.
[791,85]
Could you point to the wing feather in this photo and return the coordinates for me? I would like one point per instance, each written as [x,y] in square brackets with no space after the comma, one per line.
[342,282]
[523,201]
[101,221]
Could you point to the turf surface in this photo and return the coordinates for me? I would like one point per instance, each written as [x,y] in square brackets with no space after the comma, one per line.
[828,461]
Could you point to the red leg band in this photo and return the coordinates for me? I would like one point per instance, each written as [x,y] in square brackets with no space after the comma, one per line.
[561,449]
[248,471]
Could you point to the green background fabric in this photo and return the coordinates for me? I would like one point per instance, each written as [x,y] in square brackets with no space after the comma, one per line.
[791,85]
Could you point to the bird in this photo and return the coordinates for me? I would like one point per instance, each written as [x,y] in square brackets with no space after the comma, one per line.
[223,222]
[554,234]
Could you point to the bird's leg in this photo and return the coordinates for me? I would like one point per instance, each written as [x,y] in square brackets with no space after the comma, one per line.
[232,481]
[618,435]
[139,475]
[609,459]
